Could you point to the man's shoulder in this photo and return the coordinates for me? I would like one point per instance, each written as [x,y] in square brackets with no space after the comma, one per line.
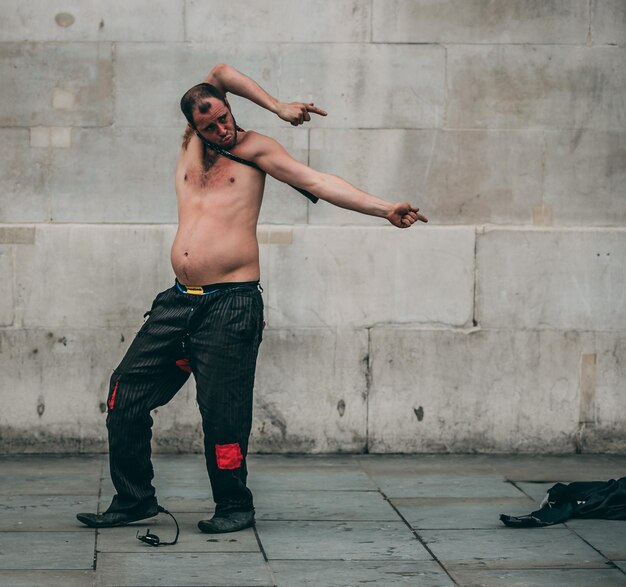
[253,137]
[254,143]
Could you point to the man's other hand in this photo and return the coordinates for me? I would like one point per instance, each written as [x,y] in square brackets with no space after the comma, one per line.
[404,215]
[297,112]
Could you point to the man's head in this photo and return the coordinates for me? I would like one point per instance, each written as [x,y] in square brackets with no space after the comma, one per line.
[208,112]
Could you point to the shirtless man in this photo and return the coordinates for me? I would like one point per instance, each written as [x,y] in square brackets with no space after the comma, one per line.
[210,322]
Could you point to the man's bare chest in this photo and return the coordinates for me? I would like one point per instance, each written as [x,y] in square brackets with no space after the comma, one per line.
[217,174]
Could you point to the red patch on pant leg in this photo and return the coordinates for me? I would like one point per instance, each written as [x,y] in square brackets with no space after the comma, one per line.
[228,456]
[183,365]
[112,400]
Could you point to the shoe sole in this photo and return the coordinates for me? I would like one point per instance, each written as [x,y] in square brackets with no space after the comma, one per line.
[206,529]
[118,524]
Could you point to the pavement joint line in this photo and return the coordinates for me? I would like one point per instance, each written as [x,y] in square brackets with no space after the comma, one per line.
[573,530]
[515,484]
[95,545]
[419,538]
[406,523]
[454,566]
[608,560]
[612,565]
[465,565]
[41,531]
[267,491]
[333,520]
[370,559]
[264,554]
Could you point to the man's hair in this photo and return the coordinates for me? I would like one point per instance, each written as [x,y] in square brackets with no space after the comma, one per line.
[198,97]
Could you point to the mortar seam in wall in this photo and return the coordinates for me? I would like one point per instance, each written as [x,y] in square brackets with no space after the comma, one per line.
[484,227]
[475,301]
[368,385]
[308,163]
[464,44]
[280,43]
[444,116]
[49,195]
[14,286]
[437,327]
[351,128]
[589,16]
[542,159]
[413,327]
[113,84]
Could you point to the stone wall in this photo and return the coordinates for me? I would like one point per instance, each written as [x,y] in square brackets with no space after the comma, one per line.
[499,327]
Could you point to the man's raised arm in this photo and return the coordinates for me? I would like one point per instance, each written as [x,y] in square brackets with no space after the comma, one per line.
[227,79]
[273,159]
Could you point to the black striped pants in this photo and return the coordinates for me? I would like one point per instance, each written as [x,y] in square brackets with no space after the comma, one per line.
[216,336]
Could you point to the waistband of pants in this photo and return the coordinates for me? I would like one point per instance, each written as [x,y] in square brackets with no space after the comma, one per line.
[204,290]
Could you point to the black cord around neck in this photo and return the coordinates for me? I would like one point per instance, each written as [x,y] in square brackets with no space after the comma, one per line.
[220,151]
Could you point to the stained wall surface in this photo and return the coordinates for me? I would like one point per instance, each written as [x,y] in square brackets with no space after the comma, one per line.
[498,327]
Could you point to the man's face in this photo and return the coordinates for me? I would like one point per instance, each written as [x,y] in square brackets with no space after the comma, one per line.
[217,125]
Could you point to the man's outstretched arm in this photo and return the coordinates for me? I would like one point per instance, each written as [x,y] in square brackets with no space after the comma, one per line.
[227,79]
[273,159]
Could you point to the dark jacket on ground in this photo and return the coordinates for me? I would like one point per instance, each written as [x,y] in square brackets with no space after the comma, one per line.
[585,499]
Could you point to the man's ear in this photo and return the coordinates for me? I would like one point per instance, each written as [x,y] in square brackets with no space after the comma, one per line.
[191,125]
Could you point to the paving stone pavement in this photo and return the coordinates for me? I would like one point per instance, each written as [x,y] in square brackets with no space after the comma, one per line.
[323,521]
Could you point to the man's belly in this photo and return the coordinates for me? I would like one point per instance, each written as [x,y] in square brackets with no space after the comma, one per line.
[204,254]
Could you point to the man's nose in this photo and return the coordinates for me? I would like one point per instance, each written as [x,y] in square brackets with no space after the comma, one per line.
[221,129]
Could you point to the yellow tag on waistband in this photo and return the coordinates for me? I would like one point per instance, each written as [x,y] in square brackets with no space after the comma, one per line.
[194,291]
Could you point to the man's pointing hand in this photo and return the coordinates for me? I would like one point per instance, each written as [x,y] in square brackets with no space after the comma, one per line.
[404,215]
[297,112]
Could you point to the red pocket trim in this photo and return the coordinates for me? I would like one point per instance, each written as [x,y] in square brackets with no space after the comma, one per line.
[228,456]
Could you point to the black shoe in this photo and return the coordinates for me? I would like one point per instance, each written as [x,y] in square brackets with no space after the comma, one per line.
[113,519]
[231,522]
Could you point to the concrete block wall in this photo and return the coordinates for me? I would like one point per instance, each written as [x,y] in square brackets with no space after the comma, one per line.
[499,327]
